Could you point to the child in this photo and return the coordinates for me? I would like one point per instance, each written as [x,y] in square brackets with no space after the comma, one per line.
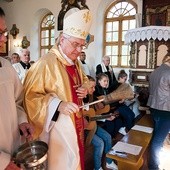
[101,140]
[122,76]
[132,104]
[124,111]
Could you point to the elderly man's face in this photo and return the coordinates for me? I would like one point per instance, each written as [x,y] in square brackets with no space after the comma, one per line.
[25,56]
[72,47]
[106,61]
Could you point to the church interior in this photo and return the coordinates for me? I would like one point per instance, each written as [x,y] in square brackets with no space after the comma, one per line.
[134,33]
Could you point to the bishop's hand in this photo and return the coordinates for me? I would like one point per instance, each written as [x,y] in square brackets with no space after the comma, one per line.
[68,108]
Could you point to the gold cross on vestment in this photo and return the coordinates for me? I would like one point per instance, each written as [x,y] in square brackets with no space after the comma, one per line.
[87,16]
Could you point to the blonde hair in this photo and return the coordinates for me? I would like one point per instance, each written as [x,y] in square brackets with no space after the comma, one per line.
[166,58]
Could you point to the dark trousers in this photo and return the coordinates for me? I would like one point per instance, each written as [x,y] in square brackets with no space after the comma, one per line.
[112,127]
[127,116]
[161,129]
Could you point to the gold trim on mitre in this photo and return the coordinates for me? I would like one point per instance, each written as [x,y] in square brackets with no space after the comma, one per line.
[78,24]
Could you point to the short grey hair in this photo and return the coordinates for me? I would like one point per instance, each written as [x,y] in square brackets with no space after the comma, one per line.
[104,57]
[57,40]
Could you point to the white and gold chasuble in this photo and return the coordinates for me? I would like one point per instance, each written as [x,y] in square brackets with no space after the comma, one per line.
[46,81]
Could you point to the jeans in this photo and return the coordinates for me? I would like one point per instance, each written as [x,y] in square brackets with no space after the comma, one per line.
[161,129]
[102,142]
[112,127]
[127,115]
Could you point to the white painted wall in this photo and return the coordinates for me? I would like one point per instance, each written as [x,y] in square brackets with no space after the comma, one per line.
[26,14]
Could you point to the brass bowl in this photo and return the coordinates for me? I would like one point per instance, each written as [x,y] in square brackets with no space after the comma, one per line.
[31,154]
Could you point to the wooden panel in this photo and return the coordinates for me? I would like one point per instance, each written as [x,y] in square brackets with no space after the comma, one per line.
[4,49]
[140,77]
[67,5]
[134,137]
[158,19]
[155,3]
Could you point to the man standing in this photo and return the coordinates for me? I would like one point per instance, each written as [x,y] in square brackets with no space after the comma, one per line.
[22,66]
[13,117]
[84,66]
[159,102]
[54,92]
[105,67]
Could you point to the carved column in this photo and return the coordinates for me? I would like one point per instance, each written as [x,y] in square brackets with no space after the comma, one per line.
[132,55]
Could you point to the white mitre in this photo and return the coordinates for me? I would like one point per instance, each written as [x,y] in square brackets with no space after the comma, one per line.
[77,23]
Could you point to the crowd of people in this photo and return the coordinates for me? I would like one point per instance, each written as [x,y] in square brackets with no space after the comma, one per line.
[21,62]
[49,93]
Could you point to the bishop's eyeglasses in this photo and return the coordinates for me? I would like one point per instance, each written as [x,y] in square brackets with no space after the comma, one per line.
[76,45]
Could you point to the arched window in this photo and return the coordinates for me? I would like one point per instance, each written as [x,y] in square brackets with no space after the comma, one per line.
[47,33]
[119,17]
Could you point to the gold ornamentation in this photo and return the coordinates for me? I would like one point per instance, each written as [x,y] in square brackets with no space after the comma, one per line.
[75,31]
[14,31]
[25,43]
[87,17]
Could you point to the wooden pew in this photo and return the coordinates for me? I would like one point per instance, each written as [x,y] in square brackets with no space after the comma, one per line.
[134,137]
